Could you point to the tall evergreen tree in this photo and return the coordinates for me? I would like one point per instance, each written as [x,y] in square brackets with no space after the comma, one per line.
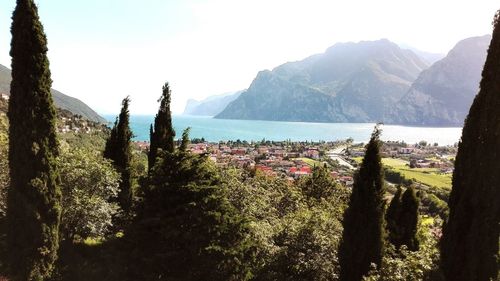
[392,218]
[118,150]
[408,219]
[34,197]
[363,236]
[402,219]
[186,228]
[469,246]
[162,133]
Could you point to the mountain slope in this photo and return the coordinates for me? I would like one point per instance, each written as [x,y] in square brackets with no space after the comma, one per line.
[210,106]
[350,82]
[443,94]
[61,100]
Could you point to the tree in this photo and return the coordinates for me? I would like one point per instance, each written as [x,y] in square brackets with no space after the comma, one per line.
[408,219]
[402,219]
[319,185]
[363,236]
[4,165]
[33,207]
[469,246]
[119,151]
[89,183]
[186,229]
[392,218]
[162,133]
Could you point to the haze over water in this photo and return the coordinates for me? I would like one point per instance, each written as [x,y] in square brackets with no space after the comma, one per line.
[214,130]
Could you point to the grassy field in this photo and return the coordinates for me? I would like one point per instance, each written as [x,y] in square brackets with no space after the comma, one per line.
[309,161]
[427,176]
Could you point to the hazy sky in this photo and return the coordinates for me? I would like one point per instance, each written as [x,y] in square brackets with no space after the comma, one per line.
[103,50]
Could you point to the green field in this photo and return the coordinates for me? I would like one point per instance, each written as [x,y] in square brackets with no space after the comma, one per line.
[427,176]
[309,161]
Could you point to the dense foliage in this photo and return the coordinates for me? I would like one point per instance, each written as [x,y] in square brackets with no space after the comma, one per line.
[34,209]
[118,150]
[363,237]
[89,185]
[162,133]
[470,244]
[186,228]
[4,164]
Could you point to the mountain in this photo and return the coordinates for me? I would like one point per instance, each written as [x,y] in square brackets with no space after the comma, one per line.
[350,82]
[443,94]
[427,57]
[210,106]
[61,100]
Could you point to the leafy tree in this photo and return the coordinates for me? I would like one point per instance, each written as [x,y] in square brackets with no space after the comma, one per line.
[118,150]
[469,246]
[4,165]
[319,185]
[307,246]
[34,209]
[363,236]
[162,133]
[405,265]
[186,228]
[88,184]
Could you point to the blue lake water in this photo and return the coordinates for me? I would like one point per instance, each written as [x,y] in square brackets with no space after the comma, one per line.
[214,130]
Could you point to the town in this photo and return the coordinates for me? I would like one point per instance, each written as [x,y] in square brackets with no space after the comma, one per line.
[424,163]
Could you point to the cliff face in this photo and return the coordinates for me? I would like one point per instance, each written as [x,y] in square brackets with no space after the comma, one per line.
[443,94]
[350,82]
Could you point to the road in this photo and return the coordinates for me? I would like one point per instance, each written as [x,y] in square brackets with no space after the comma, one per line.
[336,154]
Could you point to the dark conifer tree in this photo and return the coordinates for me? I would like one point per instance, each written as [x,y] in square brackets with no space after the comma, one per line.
[162,133]
[118,150]
[392,219]
[469,246]
[363,236]
[402,219]
[408,220]
[33,208]
[185,140]
[186,229]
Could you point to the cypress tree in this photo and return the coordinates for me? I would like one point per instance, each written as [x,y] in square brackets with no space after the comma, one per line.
[392,218]
[118,150]
[185,140]
[363,236]
[469,246]
[162,133]
[402,219]
[408,219]
[34,197]
[186,228]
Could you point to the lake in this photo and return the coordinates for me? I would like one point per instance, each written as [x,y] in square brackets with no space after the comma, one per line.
[214,130]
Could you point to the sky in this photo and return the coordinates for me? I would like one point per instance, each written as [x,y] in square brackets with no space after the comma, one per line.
[100,51]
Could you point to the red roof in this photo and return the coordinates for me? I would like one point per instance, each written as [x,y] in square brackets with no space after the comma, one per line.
[305,169]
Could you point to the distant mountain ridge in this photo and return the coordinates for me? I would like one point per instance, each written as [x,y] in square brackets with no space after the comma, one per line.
[443,94]
[210,106]
[350,82]
[61,100]
[369,81]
